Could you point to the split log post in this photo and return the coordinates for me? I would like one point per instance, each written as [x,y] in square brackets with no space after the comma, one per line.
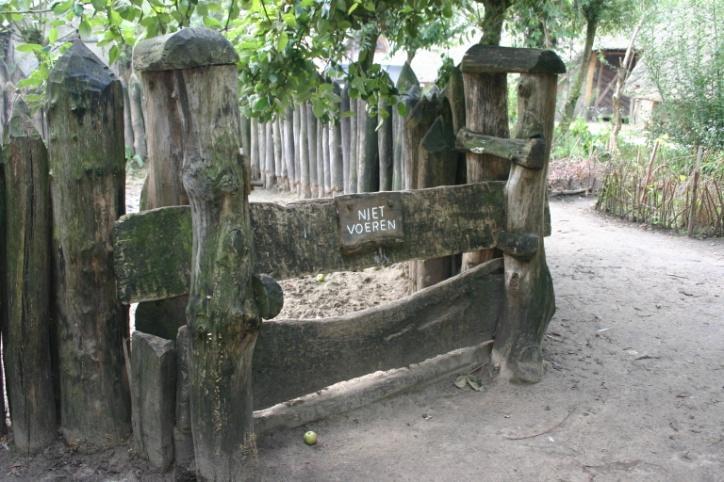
[367,151]
[319,139]
[222,315]
[288,143]
[28,278]
[326,127]
[135,90]
[297,149]
[261,141]
[164,186]
[345,136]
[353,134]
[486,112]
[279,166]
[305,190]
[312,149]
[164,137]
[269,179]
[385,146]
[246,138]
[529,297]
[183,442]
[254,149]
[87,160]
[3,301]
[409,88]
[336,158]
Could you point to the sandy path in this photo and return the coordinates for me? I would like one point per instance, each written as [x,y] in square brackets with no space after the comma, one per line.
[634,388]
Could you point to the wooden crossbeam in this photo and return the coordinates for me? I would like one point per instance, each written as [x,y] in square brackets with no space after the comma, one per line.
[484,59]
[152,249]
[528,153]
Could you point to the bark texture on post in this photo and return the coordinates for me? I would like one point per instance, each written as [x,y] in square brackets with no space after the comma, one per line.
[3,301]
[28,275]
[530,302]
[87,160]
[367,152]
[222,315]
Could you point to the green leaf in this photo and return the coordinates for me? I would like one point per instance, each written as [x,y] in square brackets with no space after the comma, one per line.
[52,35]
[84,28]
[113,54]
[30,48]
[62,7]
[283,41]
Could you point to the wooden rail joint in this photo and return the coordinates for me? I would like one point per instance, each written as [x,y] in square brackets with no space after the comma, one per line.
[485,59]
[518,245]
[528,153]
[268,295]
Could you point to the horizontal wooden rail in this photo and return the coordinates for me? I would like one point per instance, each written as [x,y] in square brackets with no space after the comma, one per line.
[484,59]
[152,249]
[528,153]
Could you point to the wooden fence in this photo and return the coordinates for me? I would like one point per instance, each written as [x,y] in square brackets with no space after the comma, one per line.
[185,386]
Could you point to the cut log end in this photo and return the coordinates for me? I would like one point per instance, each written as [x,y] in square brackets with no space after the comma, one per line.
[484,59]
[184,49]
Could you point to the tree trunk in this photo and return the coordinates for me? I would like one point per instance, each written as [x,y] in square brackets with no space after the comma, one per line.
[27,254]
[87,161]
[529,298]
[569,109]
[492,24]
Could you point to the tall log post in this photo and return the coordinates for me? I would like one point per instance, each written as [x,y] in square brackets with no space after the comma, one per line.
[529,297]
[280,170]
[86,153]
[319,139]
[223,318]
[289,153]
[28,278]
[368,177]
[135,90]
[486,112]
[254,148]
[312,149]
[345,136]
[305,189]
[385,147]
[3,301]
[353,139]
[269,153]
[336,166]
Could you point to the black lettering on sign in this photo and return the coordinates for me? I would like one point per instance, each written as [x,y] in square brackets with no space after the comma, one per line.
[369,220]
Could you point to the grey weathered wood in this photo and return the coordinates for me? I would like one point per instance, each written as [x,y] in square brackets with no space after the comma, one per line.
[184,49]
[385,146]
[27,274]
[326,158]
[486,112]
[138,121]
[183,443]
[524,152]
[268,295]
[280,168]
[153,397]
[353,142]
[3,301]
[152,249]
[417,124]
[254,153]
[367,152]
[269,155]
[87,160]
[456,313]
[435,166]
[408,89]
[165,143]
[312,149]
[222,316]
[486,59]
[305,189]
[319,139]
[351,394]
[345,136]
[288,143]
[529,298]
[336,166]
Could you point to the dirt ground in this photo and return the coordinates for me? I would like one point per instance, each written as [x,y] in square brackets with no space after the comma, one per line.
[634,388]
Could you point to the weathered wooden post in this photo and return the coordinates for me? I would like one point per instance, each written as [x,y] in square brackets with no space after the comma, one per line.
[3,301]
[28,275]
[87,163]
[530,302]
[222,315]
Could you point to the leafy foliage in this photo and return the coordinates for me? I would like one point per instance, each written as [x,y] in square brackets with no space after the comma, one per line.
[687,66]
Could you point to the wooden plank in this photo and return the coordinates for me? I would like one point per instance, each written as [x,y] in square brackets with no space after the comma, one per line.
[524,152]
[351,394]
[458,312]
[486,59]
[152,249]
